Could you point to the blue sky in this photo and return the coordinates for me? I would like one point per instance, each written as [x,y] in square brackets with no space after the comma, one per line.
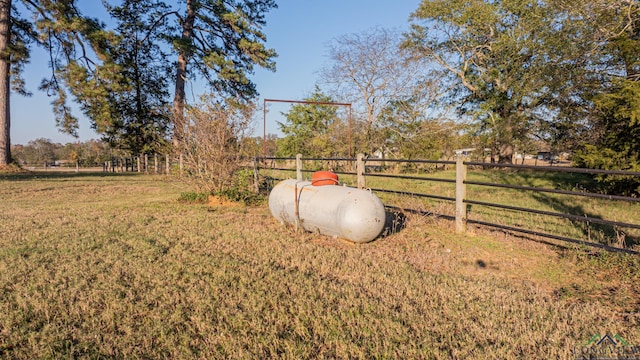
[299,30]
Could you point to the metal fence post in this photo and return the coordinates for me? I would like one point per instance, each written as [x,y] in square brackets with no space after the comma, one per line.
[360,171]
[299,167]
[461,193]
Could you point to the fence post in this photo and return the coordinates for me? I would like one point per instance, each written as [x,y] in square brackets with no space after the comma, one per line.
[461,193]
[360,171]
[256,176]
[299,167]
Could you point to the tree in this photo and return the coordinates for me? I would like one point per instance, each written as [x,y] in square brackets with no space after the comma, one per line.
[410,132]
[370,70]
[219,40]
[36,152]
[5,58]
[138,107]
[617,106]
[222,40]
[94,153]
[308,128]
[73,41]
[493,55]
[15,35]
[41,151]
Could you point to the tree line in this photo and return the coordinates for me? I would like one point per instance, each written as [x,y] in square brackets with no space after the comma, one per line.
[499,76]
[95,153]
[43,151]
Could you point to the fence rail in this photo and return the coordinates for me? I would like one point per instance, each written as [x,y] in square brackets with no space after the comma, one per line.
[464,197]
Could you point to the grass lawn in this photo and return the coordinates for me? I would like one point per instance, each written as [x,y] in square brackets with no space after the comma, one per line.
[114,266]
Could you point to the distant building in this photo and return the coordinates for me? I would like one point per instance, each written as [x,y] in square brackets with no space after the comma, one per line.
[545,155]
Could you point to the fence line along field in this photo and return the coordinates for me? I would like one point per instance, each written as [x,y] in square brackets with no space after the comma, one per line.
[115,266]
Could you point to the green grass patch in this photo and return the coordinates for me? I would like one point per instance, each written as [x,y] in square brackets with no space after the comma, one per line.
[193,197]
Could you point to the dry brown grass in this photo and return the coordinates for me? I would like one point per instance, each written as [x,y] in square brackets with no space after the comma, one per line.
[11,168]
[114,266]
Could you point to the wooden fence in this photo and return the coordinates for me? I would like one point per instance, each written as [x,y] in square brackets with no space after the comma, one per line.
[155,163]
[559,208]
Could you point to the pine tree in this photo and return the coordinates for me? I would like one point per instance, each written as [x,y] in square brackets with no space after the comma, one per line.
[221,41]
[75,44]
[139,116]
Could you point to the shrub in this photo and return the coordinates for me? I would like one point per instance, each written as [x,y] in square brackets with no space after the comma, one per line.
[212,146]
[607,159]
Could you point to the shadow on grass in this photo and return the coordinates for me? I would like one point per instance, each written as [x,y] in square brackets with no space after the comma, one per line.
[48,175]
[609,234]
[395,221]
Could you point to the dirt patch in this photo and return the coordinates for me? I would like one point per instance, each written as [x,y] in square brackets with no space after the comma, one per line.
[11,168]
[214,200]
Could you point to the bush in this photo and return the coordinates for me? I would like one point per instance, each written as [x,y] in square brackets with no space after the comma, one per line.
[242,189]
[212,146]
[593,157]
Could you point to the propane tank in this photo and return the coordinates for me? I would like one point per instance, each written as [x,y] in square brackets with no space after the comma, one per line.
[353,214]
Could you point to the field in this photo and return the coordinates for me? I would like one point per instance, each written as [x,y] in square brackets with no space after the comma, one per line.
[115,266]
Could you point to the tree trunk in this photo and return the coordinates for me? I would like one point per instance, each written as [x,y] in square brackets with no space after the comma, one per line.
[506,136]
[184,53]
[506,154]
[5,113]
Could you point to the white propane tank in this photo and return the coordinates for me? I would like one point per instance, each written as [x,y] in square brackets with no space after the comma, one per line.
[334,210]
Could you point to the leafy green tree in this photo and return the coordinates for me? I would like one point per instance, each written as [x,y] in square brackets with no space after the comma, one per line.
[221,41]
[560,71]
[42,150]
[307,129]
[492,55]
[617,106]
[410,134]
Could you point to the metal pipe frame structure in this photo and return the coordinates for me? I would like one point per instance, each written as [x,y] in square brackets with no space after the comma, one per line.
[264,115]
